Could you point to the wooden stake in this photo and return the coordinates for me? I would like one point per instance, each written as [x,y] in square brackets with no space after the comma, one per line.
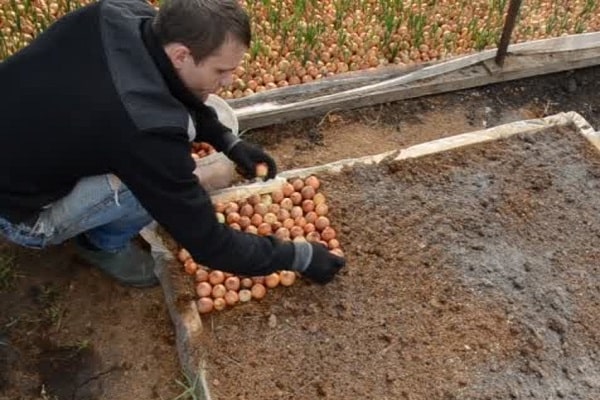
[509,25]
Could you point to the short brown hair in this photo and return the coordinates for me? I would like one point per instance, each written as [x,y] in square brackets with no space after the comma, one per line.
[201,25]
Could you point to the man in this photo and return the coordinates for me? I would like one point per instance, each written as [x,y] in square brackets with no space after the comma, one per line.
[97,115]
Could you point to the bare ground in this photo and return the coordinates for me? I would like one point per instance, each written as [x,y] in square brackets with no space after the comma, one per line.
[445,288]
[471,274]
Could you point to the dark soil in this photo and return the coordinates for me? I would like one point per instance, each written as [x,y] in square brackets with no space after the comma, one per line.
[471,274]
[68,332]
[71,333]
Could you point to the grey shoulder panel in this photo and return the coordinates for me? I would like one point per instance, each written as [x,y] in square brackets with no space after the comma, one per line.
[137,80]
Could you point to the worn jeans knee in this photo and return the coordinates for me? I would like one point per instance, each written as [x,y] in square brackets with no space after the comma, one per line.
[102,206]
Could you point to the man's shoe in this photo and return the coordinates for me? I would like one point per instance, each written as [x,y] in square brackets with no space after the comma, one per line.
[131,266]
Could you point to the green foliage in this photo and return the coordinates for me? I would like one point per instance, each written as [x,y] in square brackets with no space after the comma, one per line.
[190,387]
[8,271]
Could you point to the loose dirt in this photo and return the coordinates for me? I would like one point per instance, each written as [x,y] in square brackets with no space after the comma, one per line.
[471,274]
[471,277]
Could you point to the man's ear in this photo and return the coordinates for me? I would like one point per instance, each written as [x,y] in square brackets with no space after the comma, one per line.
[177,53]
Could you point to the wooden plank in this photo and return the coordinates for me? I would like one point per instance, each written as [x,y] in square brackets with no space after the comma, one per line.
[564,43]
[187,323]
[182,308]
[524,60]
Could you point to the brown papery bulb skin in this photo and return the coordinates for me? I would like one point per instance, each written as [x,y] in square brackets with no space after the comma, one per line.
[270,218]
[245,295]
[313,236]
[203,289]
[307,192]
[298,184]
[183,255]
[287,203]
[256,220]
[287,278]
[261,209]
[190,267]
[215,276]
[296,198]
[201,275]
[274,208]
[277,196]
[204,305]
[311,217]
[308,228]
[296,231]
[265,229]
[246,283]
[231,207]
[272,280]
[244,222]
[219,304]
[308,206]
[218,290]
[321,223]
[333,244]
[232,217]
[322,209]
[312,181]
[319,198]
[262,170]
[246,210]
[287,189]
[232,283]
[231,297]
[283,214]
[283,233]
[258,291]
[254,199]
[328,234]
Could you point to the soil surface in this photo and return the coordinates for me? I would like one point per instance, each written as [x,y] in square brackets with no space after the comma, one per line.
[461,270]
[471,274]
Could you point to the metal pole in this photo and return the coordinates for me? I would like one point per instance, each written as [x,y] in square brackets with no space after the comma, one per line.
[509,25]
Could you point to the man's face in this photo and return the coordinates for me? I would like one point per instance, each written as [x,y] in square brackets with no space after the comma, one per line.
[211,73]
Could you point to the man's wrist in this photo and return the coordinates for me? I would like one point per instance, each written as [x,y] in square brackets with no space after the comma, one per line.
[303,253]
[230,140]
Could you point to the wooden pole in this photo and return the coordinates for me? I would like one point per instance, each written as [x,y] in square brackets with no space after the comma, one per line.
[509,25]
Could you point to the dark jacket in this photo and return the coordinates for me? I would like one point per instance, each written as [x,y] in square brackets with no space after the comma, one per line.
[96,94]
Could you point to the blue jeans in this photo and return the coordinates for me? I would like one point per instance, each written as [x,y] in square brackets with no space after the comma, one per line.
[101,206]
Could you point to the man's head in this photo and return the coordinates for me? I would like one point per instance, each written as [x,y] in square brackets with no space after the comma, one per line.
[204,39]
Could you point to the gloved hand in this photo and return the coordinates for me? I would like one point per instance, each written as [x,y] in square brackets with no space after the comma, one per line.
[323,265]
[246,156]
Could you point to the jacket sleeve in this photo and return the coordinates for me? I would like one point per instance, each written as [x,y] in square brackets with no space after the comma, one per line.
[157,167]
[209,129]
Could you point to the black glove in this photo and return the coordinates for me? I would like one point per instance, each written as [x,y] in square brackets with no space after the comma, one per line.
[247,156]
[323,265]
